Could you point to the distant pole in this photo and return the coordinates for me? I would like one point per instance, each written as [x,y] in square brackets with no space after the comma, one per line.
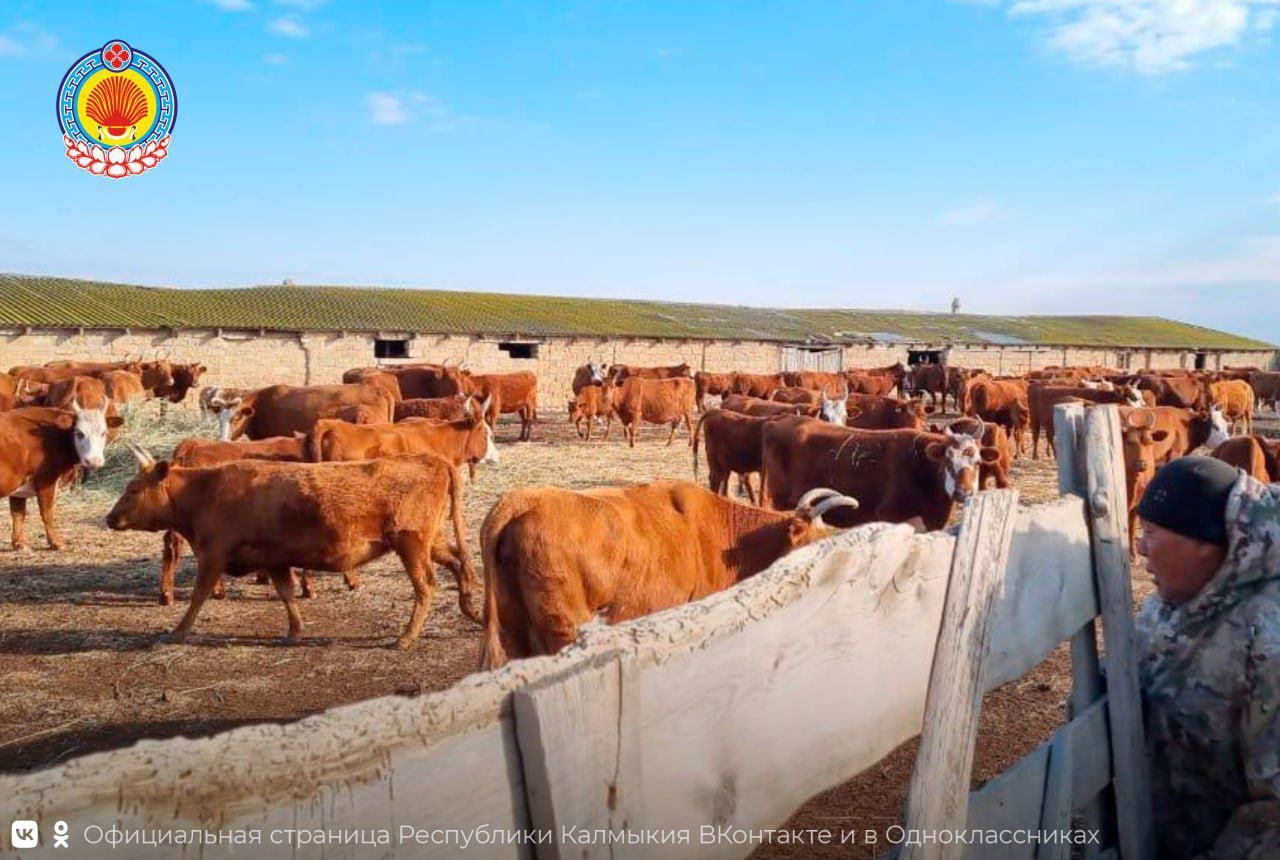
[955,305]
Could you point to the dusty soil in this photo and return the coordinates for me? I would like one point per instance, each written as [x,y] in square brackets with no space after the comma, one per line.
[84,672]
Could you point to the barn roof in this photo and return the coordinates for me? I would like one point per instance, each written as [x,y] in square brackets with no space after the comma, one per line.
[69,303]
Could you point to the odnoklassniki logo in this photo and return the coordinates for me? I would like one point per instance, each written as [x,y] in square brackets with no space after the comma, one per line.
[117,107]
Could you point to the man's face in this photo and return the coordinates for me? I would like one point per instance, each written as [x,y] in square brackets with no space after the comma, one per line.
[1180,565]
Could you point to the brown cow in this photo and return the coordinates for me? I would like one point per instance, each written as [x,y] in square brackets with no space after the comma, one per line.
[936,380]
[1266,387]
[733,445]
[247,515]
[622,372]
[875,412]
[897,474]
[803,396]
[507,393]
[1002,401]
[754,406]
[761,385]
[122,387]
[212,452]
[554,558]
[1237,401]
[711,385]
[468,440]
[439,408]
[880,384]
[993,436]
[39,448]
[56,371]
[1175,388]
[1257,455]
[655,401]
[183,378]
[589,404]
[830,384]
[415,380]
[1042,399]
[1139,436]
[282,410]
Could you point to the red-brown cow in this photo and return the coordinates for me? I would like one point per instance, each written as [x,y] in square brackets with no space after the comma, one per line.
[184,377]
[875,412]
[746,405]
[896,474]
[1043,398]
[878,384]
[711,385]
[1237,401]
[1139,436]
[212,452]
[654,401]
[591,373]
[993,436]
[39,448]
[247,516]
[760,385]
[802,396]
[555,558]
[122,387]
[507,393]
[1266,388]
[439,408]
[733,445]
[282,410]
[1002,401]
[622,372]
[1257,455]
[830,384]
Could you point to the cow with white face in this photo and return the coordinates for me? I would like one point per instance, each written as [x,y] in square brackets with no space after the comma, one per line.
[224,411]
[39,448]
[1219,430]
[835,411]
[962,456]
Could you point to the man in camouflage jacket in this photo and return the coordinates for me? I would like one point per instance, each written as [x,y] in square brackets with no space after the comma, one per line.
[1210,672]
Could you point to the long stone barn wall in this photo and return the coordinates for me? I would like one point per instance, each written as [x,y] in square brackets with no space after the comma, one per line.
[249,359]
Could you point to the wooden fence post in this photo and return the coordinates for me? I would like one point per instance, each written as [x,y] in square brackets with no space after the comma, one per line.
[938,797]
[579,736]
[1105,494]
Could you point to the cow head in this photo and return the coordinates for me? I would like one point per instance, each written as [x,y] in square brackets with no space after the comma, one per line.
[684,370]
[185,376]
[144,505]
[597,371]
[89,429]
[1132,395]
[238,421]
[225,412]
[1219,430]
[1137,441]
[834,411]
[806,523]
[157,376]
[480,446]
[961,458]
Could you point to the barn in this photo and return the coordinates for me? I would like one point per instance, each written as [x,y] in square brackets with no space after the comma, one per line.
[296,334]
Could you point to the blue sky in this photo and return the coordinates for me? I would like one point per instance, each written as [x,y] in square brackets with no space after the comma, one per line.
[1030,156]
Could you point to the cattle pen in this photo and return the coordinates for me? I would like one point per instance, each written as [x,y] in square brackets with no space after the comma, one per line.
[696,727]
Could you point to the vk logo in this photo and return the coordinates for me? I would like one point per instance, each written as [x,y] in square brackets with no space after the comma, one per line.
[24,834]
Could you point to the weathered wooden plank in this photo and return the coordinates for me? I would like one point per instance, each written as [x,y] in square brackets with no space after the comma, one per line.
[1016,798]
[1055,814]
[1068,433]
[1048,589]
[580,746]
[937,798]
[1104,461]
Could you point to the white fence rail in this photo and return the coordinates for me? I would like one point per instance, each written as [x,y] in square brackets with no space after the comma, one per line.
[730,712]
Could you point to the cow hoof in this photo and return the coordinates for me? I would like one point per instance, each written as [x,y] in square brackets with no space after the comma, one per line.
[56,547]
[166,600]
[174,638]
[403,643]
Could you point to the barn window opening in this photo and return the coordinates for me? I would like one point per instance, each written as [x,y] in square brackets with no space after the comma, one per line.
[924,356]
[1202,360]
[519,350]
[390,348]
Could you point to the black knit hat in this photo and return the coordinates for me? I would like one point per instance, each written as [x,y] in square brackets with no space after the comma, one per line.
[1189,496]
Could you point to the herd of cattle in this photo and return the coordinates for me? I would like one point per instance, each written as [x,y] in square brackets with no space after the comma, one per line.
[331,477]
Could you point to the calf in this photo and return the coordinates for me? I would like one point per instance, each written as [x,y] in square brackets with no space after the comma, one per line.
[246,516]
[554,558]
[1139,437]
[655,401]
[896,474]
[39,448]
[733,445]
[588,404]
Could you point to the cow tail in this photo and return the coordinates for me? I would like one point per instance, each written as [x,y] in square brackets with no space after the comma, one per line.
[697,430]
[492,654]
[459,527]
[315,444]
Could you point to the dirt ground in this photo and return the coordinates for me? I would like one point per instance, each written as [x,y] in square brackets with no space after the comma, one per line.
[84,672]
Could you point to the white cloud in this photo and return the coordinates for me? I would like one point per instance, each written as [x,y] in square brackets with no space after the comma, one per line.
[275,59]
[289,27]
[232,5]
[25,39]
[970,216]
[386,109]
[1151,37]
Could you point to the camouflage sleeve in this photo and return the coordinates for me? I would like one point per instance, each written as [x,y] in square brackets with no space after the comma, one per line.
[1252,833]
[1260,737]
